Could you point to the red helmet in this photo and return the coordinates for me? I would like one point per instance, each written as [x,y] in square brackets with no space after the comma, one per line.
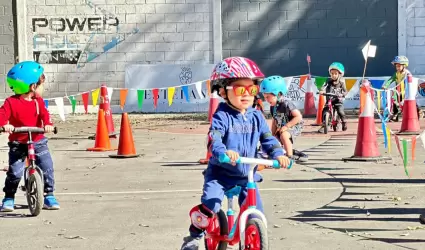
[234,68]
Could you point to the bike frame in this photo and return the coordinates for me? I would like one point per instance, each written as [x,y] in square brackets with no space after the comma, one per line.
[237,224]
[31,167]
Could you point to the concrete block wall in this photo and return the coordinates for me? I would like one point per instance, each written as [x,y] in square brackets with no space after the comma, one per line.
[415,33]
[149,31]
[7,43]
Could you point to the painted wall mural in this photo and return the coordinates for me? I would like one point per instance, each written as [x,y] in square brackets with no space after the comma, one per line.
[75,40]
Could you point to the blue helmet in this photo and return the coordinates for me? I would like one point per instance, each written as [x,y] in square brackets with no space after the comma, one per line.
[274,85]
[338,66]
[401,60]
[22,75]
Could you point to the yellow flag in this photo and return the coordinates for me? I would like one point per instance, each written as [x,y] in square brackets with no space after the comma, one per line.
[171,91]
[389,139]
[378,94]
[95,96]
[349,83]
[402,89]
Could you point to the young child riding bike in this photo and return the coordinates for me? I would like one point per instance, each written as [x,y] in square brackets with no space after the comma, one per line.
[235,130]
[287,119]
[26,109]
[336,85]
[401,77]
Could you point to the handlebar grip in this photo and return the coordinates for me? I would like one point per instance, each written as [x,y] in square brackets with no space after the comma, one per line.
[55,130]
[226,159]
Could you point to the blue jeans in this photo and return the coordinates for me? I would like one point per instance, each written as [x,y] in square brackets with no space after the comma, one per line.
[17,154]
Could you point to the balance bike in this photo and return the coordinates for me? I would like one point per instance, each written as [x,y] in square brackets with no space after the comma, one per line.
[330,117]
[250,233]
[33,175]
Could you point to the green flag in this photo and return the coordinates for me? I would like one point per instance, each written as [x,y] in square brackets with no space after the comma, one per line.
[73,103]
[140,97]
[405,159]
[320,81]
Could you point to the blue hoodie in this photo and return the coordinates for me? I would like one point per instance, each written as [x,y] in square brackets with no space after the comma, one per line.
[232,130]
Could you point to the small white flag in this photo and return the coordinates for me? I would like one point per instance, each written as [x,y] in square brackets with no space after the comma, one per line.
[110,90]
[422,136]
[369,50]
[198,87]
[61,107]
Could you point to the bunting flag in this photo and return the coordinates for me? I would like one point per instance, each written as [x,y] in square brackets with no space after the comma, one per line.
[302,80]
[422,136]
[186,92]
[61,107]
[384,131]
[123,97]
[320,81]
[349,83]
[140,98]
[378,96]
[388,132]
[85,97]
[208,87]
[155,97]
[171,92]
[377,84]
[402,88]
[198,87]
[405,158]
[73,102]
[413,147]
[46,103]
[95,96]
[384,100]
[389,104]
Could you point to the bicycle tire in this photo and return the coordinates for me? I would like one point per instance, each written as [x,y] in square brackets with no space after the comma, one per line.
[35,194]
[262,237]
[326,116]
[224,230]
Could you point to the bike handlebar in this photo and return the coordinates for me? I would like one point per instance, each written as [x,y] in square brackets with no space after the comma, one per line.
[272,163]
[29,129]
[328,94]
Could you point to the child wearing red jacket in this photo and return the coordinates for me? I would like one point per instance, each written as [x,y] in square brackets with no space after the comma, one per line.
[26,109]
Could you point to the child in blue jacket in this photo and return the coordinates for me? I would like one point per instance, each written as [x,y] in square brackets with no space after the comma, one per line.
[235,130]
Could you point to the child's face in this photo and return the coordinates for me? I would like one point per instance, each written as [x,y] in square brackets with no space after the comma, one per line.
[334,74]
[270,98]
[399,67]
[245,100]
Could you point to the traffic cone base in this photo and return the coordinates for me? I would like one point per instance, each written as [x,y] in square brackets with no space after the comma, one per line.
[126,147]
[366,142]
[102,142]
[410,122]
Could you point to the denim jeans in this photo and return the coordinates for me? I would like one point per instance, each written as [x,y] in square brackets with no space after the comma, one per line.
[17,154]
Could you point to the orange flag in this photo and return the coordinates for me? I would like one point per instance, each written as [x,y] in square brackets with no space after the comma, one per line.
[349,83]
[208,87]
[302,80]
[123,97]
[413,147]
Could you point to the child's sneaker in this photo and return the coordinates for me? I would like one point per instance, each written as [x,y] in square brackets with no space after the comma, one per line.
[51,203]
[190,243]
[8,205]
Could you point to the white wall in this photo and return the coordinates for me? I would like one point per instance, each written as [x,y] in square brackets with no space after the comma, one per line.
[412,28]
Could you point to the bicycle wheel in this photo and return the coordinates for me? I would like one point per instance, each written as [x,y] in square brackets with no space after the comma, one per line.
[221,227]
[255,235]
[35,193]
[326,116]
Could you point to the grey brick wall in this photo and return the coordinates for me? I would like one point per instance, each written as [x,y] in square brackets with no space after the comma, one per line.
[153,32]
[7,44]
[278,34]
[416,35]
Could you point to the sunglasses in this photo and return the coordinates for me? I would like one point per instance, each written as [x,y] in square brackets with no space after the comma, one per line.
[240,90]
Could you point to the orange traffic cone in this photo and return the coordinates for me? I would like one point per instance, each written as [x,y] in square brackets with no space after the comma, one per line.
[126,147]
[309,108]
[320,106]
[410,122]
[214,101]
[366,143]
[102,142]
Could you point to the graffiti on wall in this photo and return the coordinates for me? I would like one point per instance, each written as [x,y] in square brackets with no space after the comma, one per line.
[75,40]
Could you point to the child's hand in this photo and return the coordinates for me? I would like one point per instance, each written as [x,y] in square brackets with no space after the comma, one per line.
[8,128]
[321,92]
[233,156]
[49,128]
[283,161]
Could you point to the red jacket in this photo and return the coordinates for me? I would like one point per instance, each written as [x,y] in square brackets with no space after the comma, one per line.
[23,113]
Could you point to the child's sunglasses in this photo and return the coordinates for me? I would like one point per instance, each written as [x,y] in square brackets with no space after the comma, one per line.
[240,90]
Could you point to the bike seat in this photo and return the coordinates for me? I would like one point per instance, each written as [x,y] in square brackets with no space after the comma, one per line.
[236,190]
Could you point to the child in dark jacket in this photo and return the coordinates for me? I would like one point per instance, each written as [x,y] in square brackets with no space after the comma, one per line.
[235,130]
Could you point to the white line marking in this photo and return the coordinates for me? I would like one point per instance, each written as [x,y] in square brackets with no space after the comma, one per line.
[189,191]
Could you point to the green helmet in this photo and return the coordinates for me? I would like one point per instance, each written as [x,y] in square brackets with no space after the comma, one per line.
[338,66]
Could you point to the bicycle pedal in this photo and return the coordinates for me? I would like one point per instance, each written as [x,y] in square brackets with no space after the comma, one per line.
[23,188]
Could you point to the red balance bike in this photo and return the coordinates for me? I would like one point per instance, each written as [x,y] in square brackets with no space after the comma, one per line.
[250,233]
[33,175]
[330,116]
